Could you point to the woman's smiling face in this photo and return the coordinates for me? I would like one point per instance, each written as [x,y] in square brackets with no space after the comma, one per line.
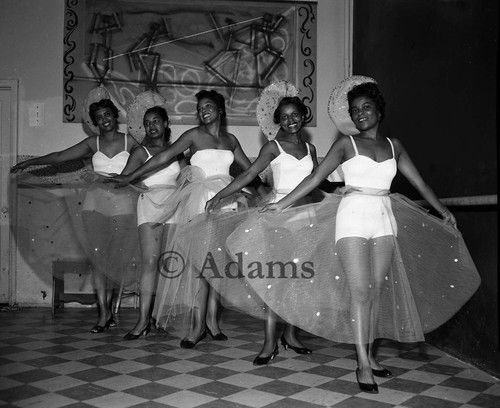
[105,119]
[207,110]
[364,113]
[291,119]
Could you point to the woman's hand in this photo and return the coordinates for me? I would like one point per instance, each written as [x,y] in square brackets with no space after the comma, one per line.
[449,218]
[120,181]
[212,204]
[19,167]
[272,208]
[90,176]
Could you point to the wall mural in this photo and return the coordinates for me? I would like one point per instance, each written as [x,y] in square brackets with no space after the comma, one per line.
[177,48]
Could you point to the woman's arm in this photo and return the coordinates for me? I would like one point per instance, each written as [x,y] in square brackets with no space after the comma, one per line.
[410,171]
[137,157]
[331,161]
[160,159]
[242,160]
[181,158]
[78,151]
[266,155]
[314,157]
[132,143]
[239,155]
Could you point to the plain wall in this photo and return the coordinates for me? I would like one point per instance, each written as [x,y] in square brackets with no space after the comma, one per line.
[436,62]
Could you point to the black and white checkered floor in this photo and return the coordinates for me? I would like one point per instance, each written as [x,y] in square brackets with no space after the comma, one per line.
[53,361]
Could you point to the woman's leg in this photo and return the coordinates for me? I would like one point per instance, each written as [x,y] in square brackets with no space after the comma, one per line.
[97,227]
[150,239]
[290,336]
[213,302]
[354,253]
[198,326]
[270,340]
[382,252]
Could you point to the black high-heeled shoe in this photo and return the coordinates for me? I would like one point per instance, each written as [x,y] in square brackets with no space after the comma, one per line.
[132,336]
[218,337]
[99,329]
[264,360]
[188,344]
[384,373]
[365,387]
[298,350]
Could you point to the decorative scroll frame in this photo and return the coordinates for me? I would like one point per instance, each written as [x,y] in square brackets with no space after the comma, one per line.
[177,48]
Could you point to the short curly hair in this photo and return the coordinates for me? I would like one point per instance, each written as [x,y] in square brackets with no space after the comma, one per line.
[103,103]
[215,96]
[289,100]
[370,90]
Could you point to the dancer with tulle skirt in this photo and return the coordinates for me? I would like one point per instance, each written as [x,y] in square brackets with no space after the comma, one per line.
[158,187]
[291,159]
[363,263]
[184,303]
[108,214]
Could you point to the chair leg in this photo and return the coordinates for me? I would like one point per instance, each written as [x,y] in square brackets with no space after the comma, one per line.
[118,299]
[122,292]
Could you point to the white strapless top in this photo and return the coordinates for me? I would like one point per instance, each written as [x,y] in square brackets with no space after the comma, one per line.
[213,161]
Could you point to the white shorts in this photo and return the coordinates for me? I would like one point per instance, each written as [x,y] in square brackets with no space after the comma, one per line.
[365,216]
[110,201]
[148,209]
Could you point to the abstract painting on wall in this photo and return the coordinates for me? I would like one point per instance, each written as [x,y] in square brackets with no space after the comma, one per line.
[177,48]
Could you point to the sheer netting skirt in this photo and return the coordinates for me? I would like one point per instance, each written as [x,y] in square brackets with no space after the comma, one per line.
[67,219]
[417,276]
[149,204]
[199,249]
[179,271]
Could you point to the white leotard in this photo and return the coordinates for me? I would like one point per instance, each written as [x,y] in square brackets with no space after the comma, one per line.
[106,199]
[159,182]
[108,165]
[288,171]
[214,163]
[362,214]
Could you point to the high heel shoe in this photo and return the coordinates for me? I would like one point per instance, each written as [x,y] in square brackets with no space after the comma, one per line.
[99,329]
[218,337]
[298,350]
[188,344]
[264,360]
[384,373]
[365,387]
[132,336]
[113,323]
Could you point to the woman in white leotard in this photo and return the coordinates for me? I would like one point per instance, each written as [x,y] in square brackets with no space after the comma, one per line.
[365,226]
[160,185]
[212,152]
[107,214]
[291,159]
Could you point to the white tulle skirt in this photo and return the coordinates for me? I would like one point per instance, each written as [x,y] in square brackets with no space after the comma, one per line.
[292,263]
[179,279]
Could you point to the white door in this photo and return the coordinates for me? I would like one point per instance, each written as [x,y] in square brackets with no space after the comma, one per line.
[8,153]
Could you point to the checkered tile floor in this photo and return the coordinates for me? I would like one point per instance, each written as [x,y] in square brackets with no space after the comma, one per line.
[54,361]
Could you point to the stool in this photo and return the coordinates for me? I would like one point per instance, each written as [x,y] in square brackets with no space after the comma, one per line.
[59,269]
